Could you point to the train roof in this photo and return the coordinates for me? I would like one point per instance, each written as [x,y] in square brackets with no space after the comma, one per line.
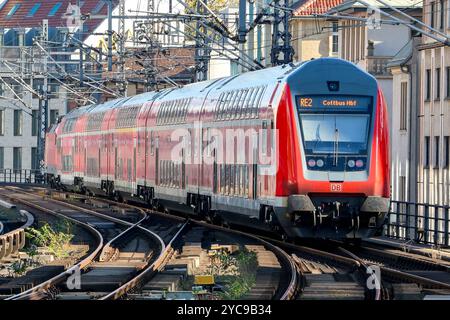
[247,79]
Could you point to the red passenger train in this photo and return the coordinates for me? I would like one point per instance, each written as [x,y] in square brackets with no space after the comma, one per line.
[300,148]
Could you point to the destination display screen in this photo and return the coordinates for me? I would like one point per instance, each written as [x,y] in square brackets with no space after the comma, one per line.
[333,102]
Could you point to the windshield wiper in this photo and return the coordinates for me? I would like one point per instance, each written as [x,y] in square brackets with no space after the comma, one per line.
[336,147]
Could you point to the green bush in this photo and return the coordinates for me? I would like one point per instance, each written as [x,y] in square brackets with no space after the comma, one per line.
[55,239]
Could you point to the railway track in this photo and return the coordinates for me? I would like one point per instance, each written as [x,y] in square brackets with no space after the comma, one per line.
[276,275]
[331,273]
[405,275]
[124,249]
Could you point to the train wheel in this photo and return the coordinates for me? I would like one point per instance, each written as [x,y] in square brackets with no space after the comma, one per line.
[117,196]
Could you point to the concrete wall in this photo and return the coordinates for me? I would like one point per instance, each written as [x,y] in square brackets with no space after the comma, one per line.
[311,38]
[400,155]
[389,39]
[434,181]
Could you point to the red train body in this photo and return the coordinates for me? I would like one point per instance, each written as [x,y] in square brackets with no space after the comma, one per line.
[302,148]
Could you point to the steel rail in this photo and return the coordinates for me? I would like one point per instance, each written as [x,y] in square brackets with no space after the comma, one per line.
[290,291]
[32,293]
[99,249]
[148,271]
[405,275]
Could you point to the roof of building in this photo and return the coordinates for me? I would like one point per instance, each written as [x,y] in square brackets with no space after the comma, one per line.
[355,4]
[310,7]
[403,55]
[29,14]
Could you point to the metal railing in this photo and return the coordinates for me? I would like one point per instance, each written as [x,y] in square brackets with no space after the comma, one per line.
[377,66]
[420,222]
[21,176]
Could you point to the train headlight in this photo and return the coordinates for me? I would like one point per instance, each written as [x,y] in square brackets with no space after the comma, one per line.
[359,163]
[351,163]
[311,163]
[320,163]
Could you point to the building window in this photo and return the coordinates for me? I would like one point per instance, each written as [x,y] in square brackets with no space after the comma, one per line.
[335,37]
[441,14]
[17,158]
[432,12]
[53,116]
[2,122]
[447,151]
[2,158]
[13,10]
[438,83]
[18,122]
[2,3]
[447,72]
[55,9]
[428,84]
[426,158]
[402,189]
[403,105]
[436,152]
[33,10]
[98,7]
[34,160]
[34,122]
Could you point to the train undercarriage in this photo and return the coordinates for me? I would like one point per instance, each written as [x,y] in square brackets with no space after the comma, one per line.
[319,216]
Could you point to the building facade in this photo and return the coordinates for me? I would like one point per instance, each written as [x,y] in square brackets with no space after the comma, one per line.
[371,45]
[312,36]
[433,184]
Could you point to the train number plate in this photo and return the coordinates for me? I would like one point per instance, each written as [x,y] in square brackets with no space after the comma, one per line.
[336,187]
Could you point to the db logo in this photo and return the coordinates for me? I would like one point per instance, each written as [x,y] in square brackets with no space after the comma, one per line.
[336,187]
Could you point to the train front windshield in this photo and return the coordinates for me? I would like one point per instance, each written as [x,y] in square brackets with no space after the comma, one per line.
[342,133]
[335,131]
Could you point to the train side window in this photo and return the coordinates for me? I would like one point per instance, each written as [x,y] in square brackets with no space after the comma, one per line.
[241,110]
[231,104]
[218,103]
[167,112]
[253,102]
[230,114]
[258,102]
[222,106]
[245,107]
[160,114]
[163,113]
[179,110]
[170,108]
[238,103]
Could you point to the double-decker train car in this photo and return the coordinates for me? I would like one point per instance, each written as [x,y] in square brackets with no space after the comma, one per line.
[301,148]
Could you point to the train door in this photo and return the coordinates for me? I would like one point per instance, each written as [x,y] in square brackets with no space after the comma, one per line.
[215,171]
[85,159]
[116,163]
[255,168]
[99,162]
[156,160]
[134,165]
[183,169]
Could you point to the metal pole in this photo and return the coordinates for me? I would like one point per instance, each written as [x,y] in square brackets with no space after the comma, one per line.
[110,9]
[43,99]
[242,32]
[80,31]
